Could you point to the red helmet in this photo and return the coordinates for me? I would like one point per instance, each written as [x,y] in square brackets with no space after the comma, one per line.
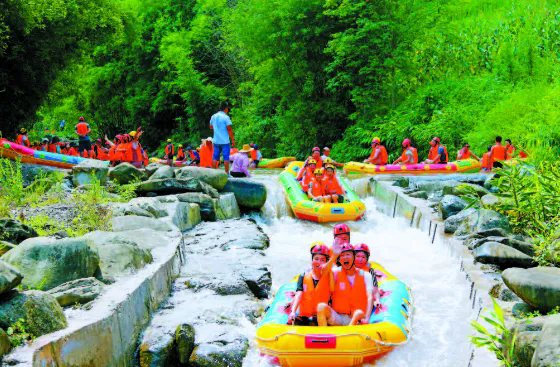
[341,229]
[346,247]
[362,247]
[436,139]
[320,249]
[82,118]
[316,149]
[405,143]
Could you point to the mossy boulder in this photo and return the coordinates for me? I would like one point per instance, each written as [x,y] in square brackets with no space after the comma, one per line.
[215,178]
[40,311]
[125,173]
[47,262]
[5,247]
[184,342]
[250,195]
[14,231]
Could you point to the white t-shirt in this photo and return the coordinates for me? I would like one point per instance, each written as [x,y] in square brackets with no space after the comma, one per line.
[367,278]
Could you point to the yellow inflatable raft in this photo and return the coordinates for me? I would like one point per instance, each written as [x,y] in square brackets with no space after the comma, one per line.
[304,208]
[296,346]
[276,162]
[464,166]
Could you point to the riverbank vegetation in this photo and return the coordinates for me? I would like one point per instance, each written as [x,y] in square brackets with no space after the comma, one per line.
[298,73]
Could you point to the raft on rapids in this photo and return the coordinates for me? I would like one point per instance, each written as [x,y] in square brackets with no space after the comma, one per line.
[463,166]
[304,208]
[275,162]
[287,345]
[27,155]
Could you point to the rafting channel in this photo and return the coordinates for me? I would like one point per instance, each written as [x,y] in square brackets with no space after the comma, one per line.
[442,308]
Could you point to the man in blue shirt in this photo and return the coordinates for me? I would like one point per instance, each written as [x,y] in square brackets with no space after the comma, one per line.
[223,134]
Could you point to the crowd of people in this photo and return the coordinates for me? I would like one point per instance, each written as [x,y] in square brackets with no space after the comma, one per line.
[494,157]
[340,288]
[318,178]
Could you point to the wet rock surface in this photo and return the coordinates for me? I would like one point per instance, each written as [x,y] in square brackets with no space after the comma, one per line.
[502,255]
[221,281]
[77,291]
[450,205]
[250,195]
[46,262]
[187,215]
[539,287]
[84,172]
[163,172]
[128,223]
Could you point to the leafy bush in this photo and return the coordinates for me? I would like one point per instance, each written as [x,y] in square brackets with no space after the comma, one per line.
[93,212]
[11,187]
[18,333]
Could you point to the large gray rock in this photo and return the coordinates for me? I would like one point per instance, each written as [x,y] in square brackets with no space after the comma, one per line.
[151,205]
[479,220]
[163,172]
[123,210]
[77,291]
[40,310]
[457,190]
[226,207]
[502,255]
[152,168]
[205,202]
[452,223]
[538,287]
[214,177]
[156,349]
[30,172]
[47,262]
[125,173]
[169,186]
[403,182]
[83,173]
[491,199]
[187,215]
[145,238]
[450,205]
[419,195]
[522,246]
[218,354]
[119,255]
[487,183]
[5,343]
[128,223]
[547,352]
[250,195]
[10,277]
[14,231]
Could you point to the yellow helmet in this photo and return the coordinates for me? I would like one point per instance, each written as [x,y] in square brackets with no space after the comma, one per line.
[169,140]
[318,171]
[132,133]
[312,161]
[180,145]
[329,166]
[327,160]
[376,140]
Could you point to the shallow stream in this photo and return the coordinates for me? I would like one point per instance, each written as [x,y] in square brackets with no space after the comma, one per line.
[443,311]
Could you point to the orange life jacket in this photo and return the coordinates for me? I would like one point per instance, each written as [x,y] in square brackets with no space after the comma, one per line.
[316,187]
[73,152]
[206,156]
[404,157]
[191,154]
[499,153]
[346,298]
[85,154]
[464,155]
[486,161]
[434,153]
[307,178]
[522,154]
[331,186]
[312,295]
[130,154]
[82,128]
[102,155]
[169,149]
[253,154]
[181,154]
[51,148]
[113,153]
[21,141]
[382,157]
[120,152]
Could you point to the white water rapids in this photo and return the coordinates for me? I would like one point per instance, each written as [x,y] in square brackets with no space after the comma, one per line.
[442,309]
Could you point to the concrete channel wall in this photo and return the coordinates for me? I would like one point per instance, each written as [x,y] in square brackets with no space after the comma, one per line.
[108,333]
[391,201]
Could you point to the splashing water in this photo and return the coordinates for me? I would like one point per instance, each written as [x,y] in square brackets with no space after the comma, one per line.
[442,314]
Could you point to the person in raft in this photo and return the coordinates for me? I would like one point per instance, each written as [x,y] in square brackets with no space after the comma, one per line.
[465,153]
[83,130]
[313,287]
[486,162]
[437,153]
[307,174]
[196,159]
[378,154]
[498,154]
[315,191]
[409,154]
[256,156]
[22,138]
[181,156]
[240,167]
[220,123]
[352,292]
[362,262]
[331,186]
[327,154]
[511,149]
[169,152]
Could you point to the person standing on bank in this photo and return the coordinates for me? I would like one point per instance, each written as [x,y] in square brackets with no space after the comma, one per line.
[220,123]
[83,130]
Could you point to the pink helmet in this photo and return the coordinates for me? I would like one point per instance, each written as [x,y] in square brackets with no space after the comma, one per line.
[436,139]
[316,149]
[320,249]
[341,229]
[362,247]
[346,247]
[405,143]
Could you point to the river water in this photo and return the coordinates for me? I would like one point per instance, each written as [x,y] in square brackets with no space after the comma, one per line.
[442,309]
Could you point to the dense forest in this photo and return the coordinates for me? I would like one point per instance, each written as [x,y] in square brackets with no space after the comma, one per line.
[298,73]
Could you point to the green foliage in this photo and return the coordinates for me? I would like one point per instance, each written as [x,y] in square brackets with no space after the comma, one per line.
[496,339]
[126,192]
[93,213]
[537,313]
[11,187]
[471,197]
[18,333]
